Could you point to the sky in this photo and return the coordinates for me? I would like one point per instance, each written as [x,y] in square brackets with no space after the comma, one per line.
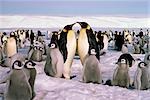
[135,8]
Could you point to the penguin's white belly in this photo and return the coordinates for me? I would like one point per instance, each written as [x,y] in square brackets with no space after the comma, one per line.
[71,47]
[11,47]
[105,42]
[83,45]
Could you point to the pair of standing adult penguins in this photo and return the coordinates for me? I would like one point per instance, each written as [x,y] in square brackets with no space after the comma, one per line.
[62,52]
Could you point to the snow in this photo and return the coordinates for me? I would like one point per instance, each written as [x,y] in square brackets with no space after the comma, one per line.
[17,21]
[49,88]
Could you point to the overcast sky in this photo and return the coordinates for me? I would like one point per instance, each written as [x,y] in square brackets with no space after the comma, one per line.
[135,8]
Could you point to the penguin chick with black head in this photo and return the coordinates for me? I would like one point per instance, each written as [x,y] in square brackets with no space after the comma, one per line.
[67,46]
[36,52]
[121,74]
[31,73]
[127,57]
[91,68]
[86,41]
[54,62]
[141,79]
[18,87]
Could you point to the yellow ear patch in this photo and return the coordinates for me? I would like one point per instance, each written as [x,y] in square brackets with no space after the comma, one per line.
[88,27]
[64,30]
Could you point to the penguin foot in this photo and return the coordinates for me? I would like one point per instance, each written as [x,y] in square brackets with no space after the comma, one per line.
[131,87]
[71,77]
[108,82]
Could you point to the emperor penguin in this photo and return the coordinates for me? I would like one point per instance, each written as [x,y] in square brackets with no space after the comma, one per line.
[18,87]
[54,63]
[127,57]
[91,68]
[102,39]
[121,74]
[36,52]
[86,41]
[32,37]
[22,37]
[31,73]
[141,79]
[11,45]
[147,59]
[67,46]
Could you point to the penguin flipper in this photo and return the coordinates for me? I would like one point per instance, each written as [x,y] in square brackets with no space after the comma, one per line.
[30,54]
[62,44]
[92,42]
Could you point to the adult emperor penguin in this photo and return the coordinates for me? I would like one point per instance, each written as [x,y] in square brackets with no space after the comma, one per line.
[102,39]
[91,68]
[67,46]
[31,72]
[11,45]
[86,41]
[18,87]
[141,79]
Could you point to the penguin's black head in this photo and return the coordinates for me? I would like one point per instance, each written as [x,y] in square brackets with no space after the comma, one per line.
[68,27]
[142,64]
[4,33]
[4,39]
[17,65]
[92,52]
[53,45]
[84,25]
[122,61]
[29,64]
[12,34]
[55,33]
[40,33]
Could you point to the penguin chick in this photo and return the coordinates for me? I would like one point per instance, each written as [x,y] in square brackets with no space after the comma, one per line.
[141,81]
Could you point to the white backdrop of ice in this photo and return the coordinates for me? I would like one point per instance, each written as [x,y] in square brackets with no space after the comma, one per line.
[17,21]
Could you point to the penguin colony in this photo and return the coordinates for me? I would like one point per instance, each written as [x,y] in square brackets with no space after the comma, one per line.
[60,52]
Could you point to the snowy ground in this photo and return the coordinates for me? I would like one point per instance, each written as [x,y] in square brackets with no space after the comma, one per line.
[48,88]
